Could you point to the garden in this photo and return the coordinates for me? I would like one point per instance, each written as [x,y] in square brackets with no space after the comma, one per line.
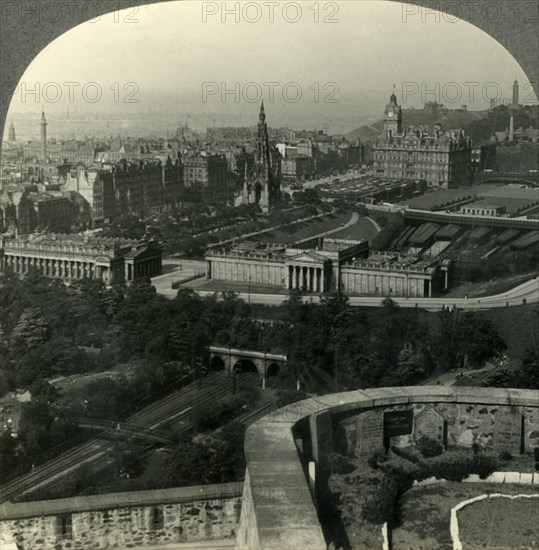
[413,490]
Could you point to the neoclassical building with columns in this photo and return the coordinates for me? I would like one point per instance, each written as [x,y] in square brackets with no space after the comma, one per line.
[325,265]
[312,266]
[72,257]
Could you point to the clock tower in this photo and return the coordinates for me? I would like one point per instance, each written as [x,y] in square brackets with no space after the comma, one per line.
[392,118]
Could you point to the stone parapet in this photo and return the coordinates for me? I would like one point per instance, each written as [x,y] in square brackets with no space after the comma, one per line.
[279,510]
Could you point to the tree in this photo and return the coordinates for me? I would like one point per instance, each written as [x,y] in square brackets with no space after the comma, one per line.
[31,331]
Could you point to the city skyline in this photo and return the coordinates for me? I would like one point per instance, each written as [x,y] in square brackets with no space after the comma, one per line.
[136,64]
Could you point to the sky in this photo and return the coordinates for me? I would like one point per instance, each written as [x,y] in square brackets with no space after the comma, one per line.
[331,67]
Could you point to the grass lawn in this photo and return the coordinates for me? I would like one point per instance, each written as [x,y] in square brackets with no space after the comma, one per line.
[304,230]
[426,513]
[518,326]
[500,523]
[499,286]
[363,229]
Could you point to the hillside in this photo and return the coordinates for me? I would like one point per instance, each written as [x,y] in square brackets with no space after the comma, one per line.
[427,116]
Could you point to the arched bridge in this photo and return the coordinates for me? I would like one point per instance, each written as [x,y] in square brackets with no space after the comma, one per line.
[114,429]
[234,360]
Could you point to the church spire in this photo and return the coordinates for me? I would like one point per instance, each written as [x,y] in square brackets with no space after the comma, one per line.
[393,98]
[11,135]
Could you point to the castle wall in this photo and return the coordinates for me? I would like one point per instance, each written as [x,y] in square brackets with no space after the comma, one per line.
[147,518]
[358,422]
[499,428]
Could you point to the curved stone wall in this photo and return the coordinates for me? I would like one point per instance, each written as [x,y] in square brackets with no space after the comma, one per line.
[283,448]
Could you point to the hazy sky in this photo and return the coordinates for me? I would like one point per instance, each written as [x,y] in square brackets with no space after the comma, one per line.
[168,52]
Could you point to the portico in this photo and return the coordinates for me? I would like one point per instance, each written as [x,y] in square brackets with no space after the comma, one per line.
[306,272]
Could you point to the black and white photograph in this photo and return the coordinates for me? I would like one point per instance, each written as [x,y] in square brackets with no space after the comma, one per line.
[269,275]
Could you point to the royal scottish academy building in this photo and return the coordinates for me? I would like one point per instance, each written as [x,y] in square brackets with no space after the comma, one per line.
[72,257]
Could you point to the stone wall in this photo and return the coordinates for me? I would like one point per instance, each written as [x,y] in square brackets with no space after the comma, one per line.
[118,520]
[283,448]
[498,428]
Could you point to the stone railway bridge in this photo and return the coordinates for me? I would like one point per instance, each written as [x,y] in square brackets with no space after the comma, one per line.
[235,361]
[114,430]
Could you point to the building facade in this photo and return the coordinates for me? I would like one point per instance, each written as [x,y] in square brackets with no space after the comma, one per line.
[392,275]
[116,189]
[72,257]
[442,159]
[312,266]
[205,173]
[325,265]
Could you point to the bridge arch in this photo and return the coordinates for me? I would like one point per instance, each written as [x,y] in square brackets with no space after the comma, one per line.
[273,370]
[244,366]
[217,364]
[268,365]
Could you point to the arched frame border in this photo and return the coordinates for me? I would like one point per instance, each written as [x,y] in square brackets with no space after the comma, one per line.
[513,23]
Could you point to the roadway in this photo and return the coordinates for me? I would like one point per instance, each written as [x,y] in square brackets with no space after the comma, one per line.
[98,454]
[526,293]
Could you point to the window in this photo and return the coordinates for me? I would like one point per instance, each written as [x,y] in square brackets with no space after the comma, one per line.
[65,525]
[157,517]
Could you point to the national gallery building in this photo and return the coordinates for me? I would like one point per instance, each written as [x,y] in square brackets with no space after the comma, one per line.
[325,265]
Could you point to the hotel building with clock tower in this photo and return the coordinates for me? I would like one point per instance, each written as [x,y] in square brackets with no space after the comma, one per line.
[392,118]
[441,158]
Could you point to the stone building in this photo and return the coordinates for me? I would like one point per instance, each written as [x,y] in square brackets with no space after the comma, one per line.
[442,159]
[205,174]
[115,189]
[388,274]
[48,212]
[325,265]
[77,257]
[262,185]
[313,266]
[482,208]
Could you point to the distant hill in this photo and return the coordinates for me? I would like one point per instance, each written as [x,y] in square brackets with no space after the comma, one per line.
[428,116]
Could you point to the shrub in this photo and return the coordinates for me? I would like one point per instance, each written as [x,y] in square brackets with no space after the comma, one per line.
[378,455]
[485,464]
[429,447]
[379,505]
[338,464]
[453,466]
[402,471]
[409,453]
[505,456]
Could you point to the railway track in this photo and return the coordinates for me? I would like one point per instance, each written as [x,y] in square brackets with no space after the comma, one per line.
[96,453]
